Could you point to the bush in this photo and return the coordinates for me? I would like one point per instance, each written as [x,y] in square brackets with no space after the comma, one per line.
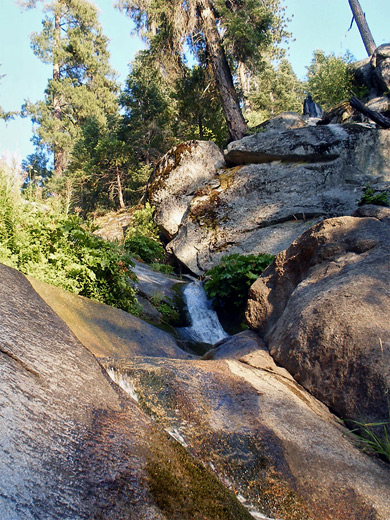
[229,281]
[142,223]
[144,248]
[142,240]
[59,250]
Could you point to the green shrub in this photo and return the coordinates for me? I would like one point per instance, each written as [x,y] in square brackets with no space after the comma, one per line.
[142,223]
[142,238]
[145,248]
[59,250]
[229,281]
[370,196]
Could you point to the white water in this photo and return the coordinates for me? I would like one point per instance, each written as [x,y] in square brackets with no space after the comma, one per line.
[205,326]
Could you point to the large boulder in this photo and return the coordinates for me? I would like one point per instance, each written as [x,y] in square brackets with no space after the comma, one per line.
[72,444]
[323,308]
[278,184]
[177,178]
[380,62]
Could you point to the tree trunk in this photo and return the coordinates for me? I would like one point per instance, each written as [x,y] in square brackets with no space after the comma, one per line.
[362,24]
[378,118]
[235,121]
[120,191]
[60,156]
[245,84]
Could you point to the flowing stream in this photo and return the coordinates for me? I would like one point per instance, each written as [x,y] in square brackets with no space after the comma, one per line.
[205,326]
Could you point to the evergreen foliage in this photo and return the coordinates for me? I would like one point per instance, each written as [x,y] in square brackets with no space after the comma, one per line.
[329,79]
[149,110]
[83,83]
[274,89]
[211,30]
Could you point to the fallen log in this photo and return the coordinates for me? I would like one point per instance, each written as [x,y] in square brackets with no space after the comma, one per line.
[378,118]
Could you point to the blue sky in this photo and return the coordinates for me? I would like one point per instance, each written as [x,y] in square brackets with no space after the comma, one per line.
[315,24]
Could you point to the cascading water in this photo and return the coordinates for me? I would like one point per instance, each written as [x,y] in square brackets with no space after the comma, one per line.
[205,326]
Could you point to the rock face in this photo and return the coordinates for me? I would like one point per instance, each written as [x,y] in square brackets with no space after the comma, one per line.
[177,177]
[374,72]
[107,331]
[277,446]
[72,445]
[277,184]
[380,62]
[323,308]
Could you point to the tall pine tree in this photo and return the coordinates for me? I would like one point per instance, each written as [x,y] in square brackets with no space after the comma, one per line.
[220,33]
[82,84]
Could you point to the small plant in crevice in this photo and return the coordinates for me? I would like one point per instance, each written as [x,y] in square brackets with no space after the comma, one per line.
[370,196]
[374,437]
[170,314]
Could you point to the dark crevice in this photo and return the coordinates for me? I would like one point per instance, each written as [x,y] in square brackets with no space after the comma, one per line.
[19,361]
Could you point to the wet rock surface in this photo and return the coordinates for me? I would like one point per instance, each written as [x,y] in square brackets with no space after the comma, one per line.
[107,331]
[323,310]
[262,434]
[72,445]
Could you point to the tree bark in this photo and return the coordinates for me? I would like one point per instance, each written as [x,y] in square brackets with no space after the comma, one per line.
[245,84]
[378,118]
[120,191]
[362,24]
[235,121]
[60,158]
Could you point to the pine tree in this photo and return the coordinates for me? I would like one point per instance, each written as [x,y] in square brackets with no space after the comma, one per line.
[82,85]
[329,79]
[149,112]
[274,89]
[220,33]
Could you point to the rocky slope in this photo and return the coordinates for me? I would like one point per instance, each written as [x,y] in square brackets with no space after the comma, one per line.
[72,445]
[274,185]
[258,431]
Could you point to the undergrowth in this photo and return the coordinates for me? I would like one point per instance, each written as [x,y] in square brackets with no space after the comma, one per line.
[228,282]
[59,249]
[142,238]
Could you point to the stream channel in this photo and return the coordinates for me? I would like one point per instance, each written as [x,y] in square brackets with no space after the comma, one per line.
[203,323]
[204,328]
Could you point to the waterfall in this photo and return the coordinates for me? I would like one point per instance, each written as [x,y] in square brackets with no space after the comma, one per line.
[205,326]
